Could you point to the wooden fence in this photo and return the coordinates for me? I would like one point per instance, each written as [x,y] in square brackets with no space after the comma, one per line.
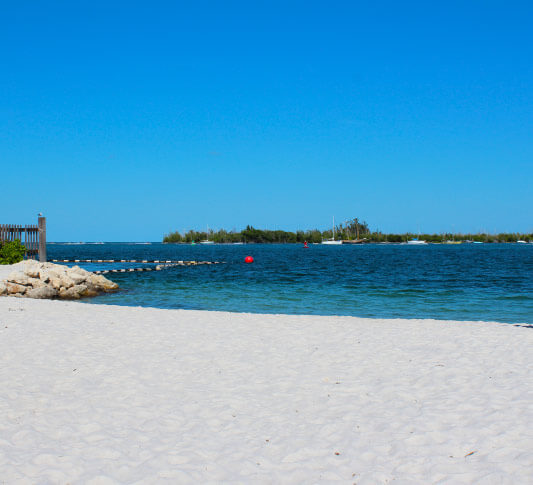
[33,237]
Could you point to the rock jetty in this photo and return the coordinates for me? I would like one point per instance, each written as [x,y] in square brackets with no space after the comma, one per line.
[31,279]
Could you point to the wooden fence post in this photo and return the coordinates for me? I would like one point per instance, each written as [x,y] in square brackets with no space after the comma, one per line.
[42,239]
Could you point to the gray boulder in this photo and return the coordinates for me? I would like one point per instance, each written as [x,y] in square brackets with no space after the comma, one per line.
[101,282]
[81,271]
[55,283]
[77,277]
[36,282]
[32,268]
[18,277]
[15,289]
[66,281]
[42,292]
[73,293]
[43,275]
[47,274]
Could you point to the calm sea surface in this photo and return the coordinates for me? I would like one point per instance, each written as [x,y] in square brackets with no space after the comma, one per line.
[457,282]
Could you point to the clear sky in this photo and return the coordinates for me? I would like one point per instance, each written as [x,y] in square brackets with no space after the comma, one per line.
[126,120]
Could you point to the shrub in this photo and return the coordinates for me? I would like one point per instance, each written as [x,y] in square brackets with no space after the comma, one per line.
[11,252]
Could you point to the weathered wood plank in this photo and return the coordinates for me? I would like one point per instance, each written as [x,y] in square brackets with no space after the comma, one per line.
[42,239]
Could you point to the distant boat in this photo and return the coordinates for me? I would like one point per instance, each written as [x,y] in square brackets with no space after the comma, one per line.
[207,241]
[521,242]
[332,240]
[354,241]
[416,242]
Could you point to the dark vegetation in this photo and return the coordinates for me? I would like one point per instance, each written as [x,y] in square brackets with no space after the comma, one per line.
[450,237]
[351,230]
[11,252]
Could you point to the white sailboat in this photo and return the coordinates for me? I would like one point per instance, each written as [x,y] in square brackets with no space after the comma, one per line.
[416,241]
[332,240]
[207,241]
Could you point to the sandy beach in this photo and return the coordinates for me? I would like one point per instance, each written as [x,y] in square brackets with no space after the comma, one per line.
[106,394]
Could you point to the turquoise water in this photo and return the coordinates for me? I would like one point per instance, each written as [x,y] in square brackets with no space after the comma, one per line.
[460,282]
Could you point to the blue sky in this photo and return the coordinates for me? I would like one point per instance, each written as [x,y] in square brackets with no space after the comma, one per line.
[126,120]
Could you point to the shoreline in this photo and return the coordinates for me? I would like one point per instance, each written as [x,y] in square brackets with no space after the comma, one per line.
[88,301]
[115,393]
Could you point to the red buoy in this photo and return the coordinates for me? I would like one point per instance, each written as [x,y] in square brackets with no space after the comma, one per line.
[248,259]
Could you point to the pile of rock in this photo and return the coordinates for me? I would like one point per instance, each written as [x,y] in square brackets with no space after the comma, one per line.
[32,279]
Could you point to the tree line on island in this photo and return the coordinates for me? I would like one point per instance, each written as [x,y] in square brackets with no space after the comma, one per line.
[352,230]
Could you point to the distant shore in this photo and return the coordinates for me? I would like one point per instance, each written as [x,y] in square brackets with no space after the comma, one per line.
[346,241]
[350,235]
[127,394]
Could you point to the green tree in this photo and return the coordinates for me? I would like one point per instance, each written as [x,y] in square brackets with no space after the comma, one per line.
[11,252]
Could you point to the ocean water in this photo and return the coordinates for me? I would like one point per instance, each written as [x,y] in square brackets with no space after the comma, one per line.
[454,282]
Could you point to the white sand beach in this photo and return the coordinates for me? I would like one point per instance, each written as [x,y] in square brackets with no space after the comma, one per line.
[105,394]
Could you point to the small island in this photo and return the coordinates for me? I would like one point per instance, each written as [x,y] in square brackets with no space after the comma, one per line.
[350,232]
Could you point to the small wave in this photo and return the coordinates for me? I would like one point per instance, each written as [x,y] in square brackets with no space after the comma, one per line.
[515,297]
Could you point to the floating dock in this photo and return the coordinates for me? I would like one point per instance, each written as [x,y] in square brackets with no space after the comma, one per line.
[156,261]
[161,264]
